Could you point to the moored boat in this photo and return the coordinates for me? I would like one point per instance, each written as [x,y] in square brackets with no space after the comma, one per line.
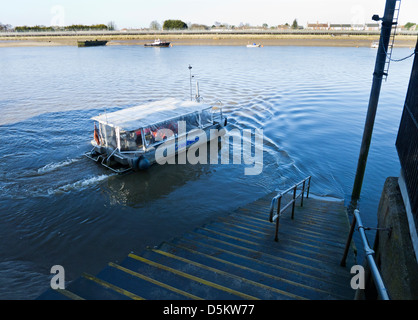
[91,43]
[158,43]
[253,45]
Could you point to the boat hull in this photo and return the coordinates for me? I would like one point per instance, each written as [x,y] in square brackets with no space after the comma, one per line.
[91,43]
[159,45]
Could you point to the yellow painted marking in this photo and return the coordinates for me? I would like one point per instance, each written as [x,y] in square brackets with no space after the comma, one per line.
[194,278]
[257,271]
[257,244]
[295,227]
[304,244]
[268,255]
[317,240]
[232,237]
[264,221]
[245,228]
[139,275]
[263,262]
[69,294]
[113,287]
[259,223]
[228,274]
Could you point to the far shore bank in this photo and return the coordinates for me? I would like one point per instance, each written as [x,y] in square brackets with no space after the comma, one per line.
[213,40]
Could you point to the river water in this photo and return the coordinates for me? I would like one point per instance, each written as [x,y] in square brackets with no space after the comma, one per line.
[59,208]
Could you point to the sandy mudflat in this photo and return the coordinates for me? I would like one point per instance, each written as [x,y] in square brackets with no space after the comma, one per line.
[36,42]
[216,40]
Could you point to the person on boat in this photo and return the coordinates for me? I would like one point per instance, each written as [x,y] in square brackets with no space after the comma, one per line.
[138,139]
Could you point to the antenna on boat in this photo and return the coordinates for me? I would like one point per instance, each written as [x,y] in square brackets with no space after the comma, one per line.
[105,114]
[197,97]
[191,94]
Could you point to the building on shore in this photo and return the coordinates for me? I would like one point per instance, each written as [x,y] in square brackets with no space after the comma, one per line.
[317,26]
[353,27]
[339,26]
[372,27]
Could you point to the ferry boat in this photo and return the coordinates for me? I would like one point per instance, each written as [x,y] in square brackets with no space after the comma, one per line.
[127,139]
[158,43]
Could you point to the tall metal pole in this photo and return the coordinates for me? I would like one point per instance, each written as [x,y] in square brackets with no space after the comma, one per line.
[387,22]
[191,94]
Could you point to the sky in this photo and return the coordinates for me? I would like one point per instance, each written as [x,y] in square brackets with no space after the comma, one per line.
[140,13]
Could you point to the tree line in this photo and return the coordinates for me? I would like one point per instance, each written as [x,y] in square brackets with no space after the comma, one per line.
[178,25]
[74,27]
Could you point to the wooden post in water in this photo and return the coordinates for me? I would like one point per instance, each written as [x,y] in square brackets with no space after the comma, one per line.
[387,22]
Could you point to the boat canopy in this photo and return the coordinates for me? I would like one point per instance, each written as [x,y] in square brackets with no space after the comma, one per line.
[145,115]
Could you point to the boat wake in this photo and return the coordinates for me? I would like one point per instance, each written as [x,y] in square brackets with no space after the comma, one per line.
[57,165]
[78,185]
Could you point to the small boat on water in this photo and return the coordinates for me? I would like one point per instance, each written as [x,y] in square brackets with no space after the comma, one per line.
[91,43]
[158,43]
[128,139]
[374,45]
[253,45]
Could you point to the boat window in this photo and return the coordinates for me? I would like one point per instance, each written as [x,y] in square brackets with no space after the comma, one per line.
[130,140]
[166,129]
[138,139]
[109,135]
[160,132]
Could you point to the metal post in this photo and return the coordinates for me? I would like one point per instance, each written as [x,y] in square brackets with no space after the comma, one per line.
[347,245]
[303,191]
[276,237]
[350,211]
[387,22]
[197,98]
[309,187]
[191,94]
[294,200]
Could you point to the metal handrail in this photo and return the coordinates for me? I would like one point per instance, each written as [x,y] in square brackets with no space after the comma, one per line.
[278,198]
[381,289]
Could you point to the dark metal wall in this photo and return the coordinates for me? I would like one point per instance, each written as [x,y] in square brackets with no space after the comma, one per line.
[407,140]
